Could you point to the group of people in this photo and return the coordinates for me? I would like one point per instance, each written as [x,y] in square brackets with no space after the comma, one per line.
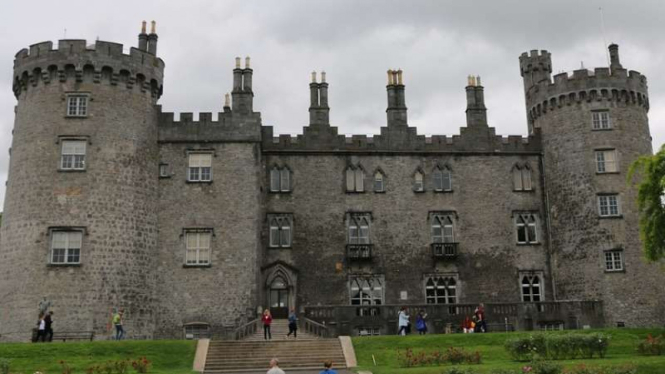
[274,367]
[45,327]
[475,323]
[404,322]
[266,319]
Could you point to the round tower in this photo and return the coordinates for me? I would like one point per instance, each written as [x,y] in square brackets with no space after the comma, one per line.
[593,125]
[79,227]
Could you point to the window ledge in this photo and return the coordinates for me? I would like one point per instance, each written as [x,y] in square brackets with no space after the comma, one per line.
[279,192]
[609,129]
[164,177]
[63,265]
[620,216]
[528,244]
[615,271]
[607,172]
[527,191]
[419,191]
[196,266]
[443,191]
[197,182]
[76,117]
[72,170]
[354,192]
[278,248]
[379,191]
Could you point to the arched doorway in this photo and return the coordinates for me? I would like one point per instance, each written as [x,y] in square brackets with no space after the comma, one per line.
[279,298]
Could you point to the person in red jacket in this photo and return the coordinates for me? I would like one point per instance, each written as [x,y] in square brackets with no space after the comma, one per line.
[267,320]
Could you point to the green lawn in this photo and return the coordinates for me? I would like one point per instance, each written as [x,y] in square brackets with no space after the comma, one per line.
[384,348]
[167,356]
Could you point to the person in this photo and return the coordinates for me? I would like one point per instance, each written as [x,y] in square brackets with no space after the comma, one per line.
[48,322]
[274,365]
[41,328]
[267,320]
[293,324]
[117,322]
[481,325]
[421,324]
[467,325]
[402,321]
[327,368]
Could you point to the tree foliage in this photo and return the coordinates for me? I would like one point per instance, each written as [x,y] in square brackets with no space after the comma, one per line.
[651,202]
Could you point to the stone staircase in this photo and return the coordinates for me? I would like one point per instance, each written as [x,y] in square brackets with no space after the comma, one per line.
[253,354]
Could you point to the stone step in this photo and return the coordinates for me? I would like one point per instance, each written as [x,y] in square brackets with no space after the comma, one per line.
[262,370]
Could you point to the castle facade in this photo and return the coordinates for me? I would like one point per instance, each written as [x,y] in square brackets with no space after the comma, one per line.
[192,226]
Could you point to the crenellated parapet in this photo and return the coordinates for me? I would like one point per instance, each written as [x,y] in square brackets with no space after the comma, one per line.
[613,84]
[398,139]
[101,62]
[228,127]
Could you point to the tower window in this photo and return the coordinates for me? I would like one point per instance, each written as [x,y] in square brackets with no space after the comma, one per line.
[531,286]
[609,206]
[522,178]
[77,105]
[527,228]
[164,170]
[418,185]
[600,120]
[614,260]
[73,155]
[280,179]
[197,244]
[280,230]
[66,247]
[606,161]
[355,179]
[443,180]
[200,167]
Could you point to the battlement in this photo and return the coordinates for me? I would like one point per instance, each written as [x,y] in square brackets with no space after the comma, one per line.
[228,127]
[398,139]
[98,62]
[535,61]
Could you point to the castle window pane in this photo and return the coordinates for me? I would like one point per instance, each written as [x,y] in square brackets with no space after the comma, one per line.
[418,182]
[280,230]
[200,167]
[73,155]
[441,290]
[600,120]
[197,247]
[437,176]
[77,105]
[531,287]
[350,180]
[526,179]
[359,176]
[517,179]
[527,229]
[614,260]
[447,182]
[285,180]
[378,182]
[66,247]
[274,179]
[606,161]
[608,206]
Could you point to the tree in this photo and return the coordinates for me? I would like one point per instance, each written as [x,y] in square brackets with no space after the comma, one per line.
[651,202]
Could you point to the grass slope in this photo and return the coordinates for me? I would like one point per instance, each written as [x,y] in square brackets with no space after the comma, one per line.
[168,357]
[384,348]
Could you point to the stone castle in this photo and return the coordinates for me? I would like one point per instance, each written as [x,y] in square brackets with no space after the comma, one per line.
[194,226]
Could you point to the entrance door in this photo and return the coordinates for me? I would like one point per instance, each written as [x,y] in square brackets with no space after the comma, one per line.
[279,298]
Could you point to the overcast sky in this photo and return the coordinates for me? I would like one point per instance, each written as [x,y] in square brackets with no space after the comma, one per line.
[436,43]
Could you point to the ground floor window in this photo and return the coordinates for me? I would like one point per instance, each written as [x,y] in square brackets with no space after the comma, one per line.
[367,291]
[369,331]
[531,285]
[197,331]
[441,289]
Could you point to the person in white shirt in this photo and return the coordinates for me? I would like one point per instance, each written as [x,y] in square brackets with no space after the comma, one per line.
[274,367]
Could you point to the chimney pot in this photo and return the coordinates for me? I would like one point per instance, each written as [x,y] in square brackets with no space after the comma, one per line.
[399,76]
[313,77]
[478,80]
[247,62]
[237,62]
[227,100]
[323,77]
[153,27]
[143,24]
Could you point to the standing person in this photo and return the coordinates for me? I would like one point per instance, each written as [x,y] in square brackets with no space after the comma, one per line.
[327,368]
[402,321]
[481,325]
[48,322]
[267,320]
[421,324]
[117,322]
[41,328]
[274,367]
[293,324]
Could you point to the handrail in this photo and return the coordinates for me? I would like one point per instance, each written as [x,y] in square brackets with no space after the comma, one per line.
[314,328]
[247,329]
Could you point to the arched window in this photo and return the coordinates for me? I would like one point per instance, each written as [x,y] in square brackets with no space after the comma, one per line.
[526,225]
[531,288]
[366,290]
[418,185]
[443,180]
[280,179]
[379,182]
[355,179]
[359,228]
[280,231]
[522,178]
[441,290]
[442,229]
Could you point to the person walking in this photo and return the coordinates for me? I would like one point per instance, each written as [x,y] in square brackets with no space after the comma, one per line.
[327,368]
[402,321]
[41,328]
[267,321]
[421,324]
[293,324]
[274,367]
[481,325]
[48,326]
[117,322]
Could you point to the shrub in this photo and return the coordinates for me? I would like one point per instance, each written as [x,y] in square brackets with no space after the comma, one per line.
[458,370]
[503,371]
[583,369]
[121,366]
[141,365]
[545,367]
[4,365]
[66,369]
[452,355]
[558,347]
[652,346]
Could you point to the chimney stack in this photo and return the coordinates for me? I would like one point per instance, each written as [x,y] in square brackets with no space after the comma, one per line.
[143,38]
[319,112]
[152,39]
[242,94]
[396,99]
[614,57]
[476,113]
